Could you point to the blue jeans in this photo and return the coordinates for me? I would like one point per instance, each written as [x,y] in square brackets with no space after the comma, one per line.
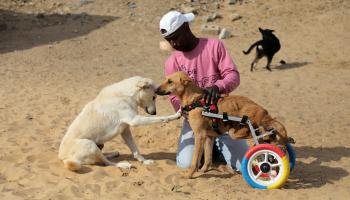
[232,150]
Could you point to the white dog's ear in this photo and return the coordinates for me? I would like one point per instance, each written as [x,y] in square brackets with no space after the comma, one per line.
[145,84]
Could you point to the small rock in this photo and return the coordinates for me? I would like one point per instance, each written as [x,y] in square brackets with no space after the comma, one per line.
[83,2]
[60,12]
[231,2]
[188,9]
[235,16]
[210,29]
[216,16]
[224,34]
[212,17]
[138,183]
[176,188]
[66,9]
[131,5]
[29,117]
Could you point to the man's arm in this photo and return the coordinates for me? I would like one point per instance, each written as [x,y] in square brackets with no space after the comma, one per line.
[228,71]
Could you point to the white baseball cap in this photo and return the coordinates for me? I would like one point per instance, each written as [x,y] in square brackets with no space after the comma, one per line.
[171,21]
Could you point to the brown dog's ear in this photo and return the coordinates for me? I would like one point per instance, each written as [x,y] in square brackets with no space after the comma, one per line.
[184,82]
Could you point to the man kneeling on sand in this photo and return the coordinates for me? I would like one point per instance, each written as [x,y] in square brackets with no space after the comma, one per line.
[209,64]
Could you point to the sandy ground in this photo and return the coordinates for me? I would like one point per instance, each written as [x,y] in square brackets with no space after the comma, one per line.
[51,65]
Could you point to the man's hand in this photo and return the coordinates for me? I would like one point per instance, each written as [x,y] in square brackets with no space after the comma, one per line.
[211,94]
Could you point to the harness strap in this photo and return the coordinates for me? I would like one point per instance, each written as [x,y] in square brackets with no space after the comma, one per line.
[244,120]
[213,108]
[196,104]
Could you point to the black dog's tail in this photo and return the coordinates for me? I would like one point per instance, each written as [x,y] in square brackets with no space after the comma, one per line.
[250,48]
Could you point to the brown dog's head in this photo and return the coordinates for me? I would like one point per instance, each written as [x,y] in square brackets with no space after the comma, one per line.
[174,84]
[280,137]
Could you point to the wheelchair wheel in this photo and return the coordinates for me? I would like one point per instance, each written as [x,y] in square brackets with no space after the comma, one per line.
[265,166]
[291,155]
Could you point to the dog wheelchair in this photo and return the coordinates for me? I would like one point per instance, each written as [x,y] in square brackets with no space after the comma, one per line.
[265,166]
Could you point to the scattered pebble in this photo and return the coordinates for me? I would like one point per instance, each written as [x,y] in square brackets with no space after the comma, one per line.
[138,183]
[224,33]
[232,2]
[29,117]
[235,16]
[189,9]
[131,5]
[176,188]
[210,29]
[212,17]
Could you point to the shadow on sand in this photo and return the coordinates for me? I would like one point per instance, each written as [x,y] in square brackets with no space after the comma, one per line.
[153,156]
[312,174]
[316,173]
[19,31]
[291,65]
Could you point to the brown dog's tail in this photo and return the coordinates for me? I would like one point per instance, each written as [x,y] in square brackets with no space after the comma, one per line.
[72,165]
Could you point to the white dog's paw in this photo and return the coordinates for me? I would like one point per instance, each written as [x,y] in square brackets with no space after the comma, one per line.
[148,162]
[178,114]
[124,165]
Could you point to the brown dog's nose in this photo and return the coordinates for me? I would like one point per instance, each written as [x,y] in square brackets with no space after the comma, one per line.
[157,90]
[161,92]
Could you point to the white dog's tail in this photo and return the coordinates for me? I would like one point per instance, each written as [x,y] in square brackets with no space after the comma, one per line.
[72,165]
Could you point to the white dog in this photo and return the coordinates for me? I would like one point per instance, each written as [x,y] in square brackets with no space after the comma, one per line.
[111,113]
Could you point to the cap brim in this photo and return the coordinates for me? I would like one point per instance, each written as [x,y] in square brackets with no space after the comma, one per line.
[189,17]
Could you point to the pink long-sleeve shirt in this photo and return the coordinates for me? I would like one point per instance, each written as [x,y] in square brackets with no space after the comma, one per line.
[207,64]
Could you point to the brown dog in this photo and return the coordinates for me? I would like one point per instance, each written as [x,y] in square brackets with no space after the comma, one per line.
[182,86]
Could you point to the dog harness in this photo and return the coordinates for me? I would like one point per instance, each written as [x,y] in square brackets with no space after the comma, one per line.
[213,108]
[212,111]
